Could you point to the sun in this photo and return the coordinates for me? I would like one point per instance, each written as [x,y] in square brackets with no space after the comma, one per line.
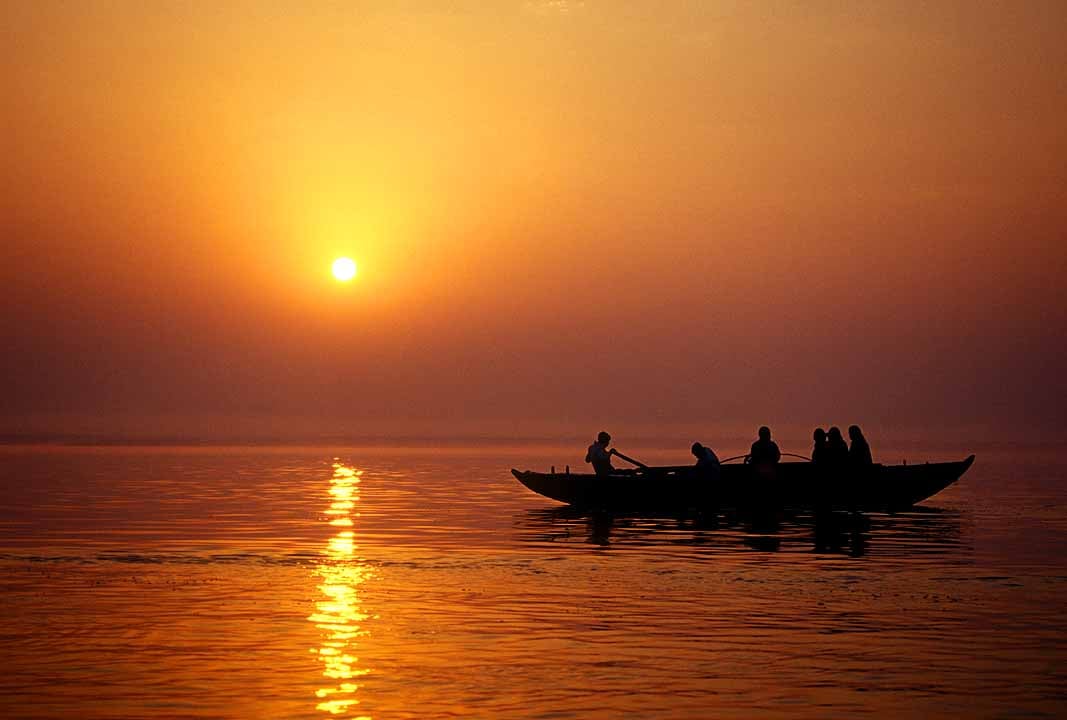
[344,269]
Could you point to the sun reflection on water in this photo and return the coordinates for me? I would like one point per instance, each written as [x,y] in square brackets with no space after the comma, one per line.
[338,613]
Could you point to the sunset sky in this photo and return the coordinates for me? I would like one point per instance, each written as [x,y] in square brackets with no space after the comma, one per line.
[566,216]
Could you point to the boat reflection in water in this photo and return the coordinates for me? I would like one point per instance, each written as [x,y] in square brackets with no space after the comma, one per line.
[919,531]
[338,613]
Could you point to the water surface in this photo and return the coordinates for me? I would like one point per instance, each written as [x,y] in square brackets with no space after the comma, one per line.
[404,583]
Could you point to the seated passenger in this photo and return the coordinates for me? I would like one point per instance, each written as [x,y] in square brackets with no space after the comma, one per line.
[859,454]
[836,449]
[818,450]
[764,451]
[707,460]
[599,455]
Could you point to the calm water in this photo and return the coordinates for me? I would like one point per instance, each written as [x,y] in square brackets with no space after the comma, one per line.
[398,583]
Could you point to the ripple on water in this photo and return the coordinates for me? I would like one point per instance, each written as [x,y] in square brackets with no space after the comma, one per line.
[238,584]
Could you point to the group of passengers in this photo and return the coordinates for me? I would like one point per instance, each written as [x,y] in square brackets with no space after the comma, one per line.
[830,450]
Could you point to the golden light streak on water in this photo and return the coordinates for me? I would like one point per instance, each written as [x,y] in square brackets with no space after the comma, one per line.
[339,614]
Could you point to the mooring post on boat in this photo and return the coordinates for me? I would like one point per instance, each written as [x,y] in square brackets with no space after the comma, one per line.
[568,469]
[553,469]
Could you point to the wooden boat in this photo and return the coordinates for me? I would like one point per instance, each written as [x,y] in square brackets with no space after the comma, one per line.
[790,484]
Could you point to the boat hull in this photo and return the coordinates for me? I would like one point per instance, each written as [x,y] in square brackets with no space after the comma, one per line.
[880,487]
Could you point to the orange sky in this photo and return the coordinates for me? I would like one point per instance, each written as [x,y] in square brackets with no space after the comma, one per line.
[567,215]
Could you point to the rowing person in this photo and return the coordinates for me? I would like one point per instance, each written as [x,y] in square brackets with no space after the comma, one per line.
[599,455]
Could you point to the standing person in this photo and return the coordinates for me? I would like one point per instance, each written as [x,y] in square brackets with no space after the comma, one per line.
[818,450]
[599,455]
[764,451]
[859,454]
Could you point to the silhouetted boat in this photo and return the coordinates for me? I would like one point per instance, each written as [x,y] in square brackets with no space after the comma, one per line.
[792,484]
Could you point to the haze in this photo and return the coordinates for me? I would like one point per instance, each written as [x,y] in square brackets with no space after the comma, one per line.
[566,216]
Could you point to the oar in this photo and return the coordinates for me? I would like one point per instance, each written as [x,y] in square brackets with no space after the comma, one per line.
[630,460]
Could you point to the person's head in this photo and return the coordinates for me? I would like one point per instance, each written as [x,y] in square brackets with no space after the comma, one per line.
[697,449]
[835,433]
[764,433]
[603,438]
[854,432]
[819,435]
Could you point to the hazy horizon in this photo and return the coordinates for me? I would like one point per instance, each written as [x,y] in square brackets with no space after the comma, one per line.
[567,216]
[668,443]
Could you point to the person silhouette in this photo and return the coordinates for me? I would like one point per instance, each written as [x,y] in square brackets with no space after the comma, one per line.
[818,450]
[836,448]
[859,454]
[764,451]
[707,460]
[599,455]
